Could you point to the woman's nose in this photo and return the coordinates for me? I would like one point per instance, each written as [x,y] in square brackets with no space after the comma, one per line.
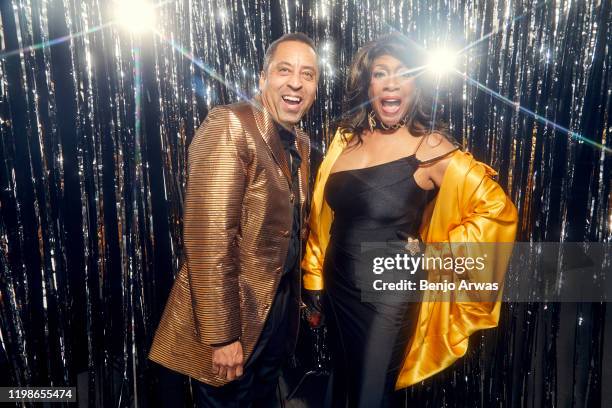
[391,83]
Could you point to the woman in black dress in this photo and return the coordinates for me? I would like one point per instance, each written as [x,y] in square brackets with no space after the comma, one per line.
[385,165]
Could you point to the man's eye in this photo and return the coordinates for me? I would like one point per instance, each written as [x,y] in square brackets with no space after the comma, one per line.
[283,70]
[309,75]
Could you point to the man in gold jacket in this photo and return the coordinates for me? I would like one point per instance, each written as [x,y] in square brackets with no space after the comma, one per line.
[470,208]
[231,318]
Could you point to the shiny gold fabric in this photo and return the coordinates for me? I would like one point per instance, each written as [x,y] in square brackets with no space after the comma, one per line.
[469,208]
[237,222]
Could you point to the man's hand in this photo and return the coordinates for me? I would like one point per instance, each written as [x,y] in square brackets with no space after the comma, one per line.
[227,361]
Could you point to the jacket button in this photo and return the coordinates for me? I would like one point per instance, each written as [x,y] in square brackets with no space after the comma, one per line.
[285,233]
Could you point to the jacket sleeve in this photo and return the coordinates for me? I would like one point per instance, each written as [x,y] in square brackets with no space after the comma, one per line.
[487,230]
[488,213]
[312,262]
[213,206]
[320,221]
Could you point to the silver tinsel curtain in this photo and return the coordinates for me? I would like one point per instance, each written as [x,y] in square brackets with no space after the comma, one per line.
[95,121]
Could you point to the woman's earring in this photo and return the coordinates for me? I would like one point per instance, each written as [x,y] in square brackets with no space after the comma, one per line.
[371,121]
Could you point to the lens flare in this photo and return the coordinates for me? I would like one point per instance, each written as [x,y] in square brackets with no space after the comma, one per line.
[442,61]
[135,15]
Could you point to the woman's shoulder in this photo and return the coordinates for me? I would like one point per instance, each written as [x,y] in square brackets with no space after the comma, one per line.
[436,147]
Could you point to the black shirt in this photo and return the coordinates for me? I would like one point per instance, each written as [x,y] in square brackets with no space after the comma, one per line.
[294,159]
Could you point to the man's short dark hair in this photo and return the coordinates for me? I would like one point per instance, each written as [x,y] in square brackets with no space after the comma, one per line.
[299,37]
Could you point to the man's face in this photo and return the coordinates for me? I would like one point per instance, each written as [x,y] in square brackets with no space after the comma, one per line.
[289,86]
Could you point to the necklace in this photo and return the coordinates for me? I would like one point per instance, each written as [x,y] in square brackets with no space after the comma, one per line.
[374,123]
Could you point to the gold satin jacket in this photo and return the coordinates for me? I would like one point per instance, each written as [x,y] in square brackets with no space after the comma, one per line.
[238,213]
[469,208]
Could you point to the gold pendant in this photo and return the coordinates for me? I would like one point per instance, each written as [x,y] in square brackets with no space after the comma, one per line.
[371,121]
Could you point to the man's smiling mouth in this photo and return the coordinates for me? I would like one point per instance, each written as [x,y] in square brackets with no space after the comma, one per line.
[292,100]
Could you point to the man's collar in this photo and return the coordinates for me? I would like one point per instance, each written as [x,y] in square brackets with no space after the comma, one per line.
[284,132]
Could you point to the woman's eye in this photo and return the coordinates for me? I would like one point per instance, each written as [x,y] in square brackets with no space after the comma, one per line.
[378,74]
[406,74]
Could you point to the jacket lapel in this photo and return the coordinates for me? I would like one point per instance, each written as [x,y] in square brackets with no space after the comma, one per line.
[267,129]
[303,147]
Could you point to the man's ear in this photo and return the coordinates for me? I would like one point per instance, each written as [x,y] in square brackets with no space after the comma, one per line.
[262,80]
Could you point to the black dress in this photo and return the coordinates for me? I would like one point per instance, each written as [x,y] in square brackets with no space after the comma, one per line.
[369,338]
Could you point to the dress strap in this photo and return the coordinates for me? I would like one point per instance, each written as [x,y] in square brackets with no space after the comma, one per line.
[419,145]
[433,159]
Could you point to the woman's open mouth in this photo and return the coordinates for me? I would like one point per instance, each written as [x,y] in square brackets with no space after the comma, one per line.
[390,106]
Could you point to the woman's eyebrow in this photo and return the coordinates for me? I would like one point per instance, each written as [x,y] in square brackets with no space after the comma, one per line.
[383,66]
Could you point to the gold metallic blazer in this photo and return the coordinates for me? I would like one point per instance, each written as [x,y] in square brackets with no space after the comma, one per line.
[469,208]
[238,214]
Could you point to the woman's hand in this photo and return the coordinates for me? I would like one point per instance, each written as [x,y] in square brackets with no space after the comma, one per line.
[314,308]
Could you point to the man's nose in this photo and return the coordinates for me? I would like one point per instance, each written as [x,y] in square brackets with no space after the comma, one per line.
[295,81]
